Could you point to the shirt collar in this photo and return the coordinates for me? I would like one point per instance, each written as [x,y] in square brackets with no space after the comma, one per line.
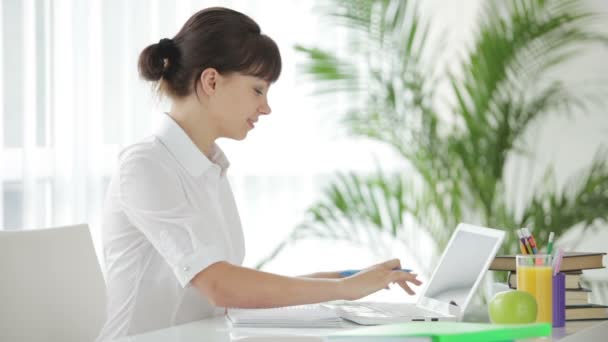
[185,151]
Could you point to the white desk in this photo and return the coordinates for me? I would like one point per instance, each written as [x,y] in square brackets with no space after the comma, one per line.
[217,330]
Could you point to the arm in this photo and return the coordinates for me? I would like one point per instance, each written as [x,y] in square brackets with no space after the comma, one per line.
[322,275]
[228,285]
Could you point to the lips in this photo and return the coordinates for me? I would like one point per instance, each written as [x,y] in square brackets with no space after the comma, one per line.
[251,122]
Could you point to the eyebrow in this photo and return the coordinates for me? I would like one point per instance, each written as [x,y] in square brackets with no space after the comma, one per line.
[264,85]
[263,82]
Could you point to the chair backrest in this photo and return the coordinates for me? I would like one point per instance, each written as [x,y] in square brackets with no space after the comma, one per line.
[51,286]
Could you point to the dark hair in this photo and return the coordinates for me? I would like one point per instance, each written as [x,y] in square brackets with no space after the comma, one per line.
[216,37]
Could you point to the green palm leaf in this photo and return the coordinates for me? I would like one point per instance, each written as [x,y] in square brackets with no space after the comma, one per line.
[500,88]
[583,201]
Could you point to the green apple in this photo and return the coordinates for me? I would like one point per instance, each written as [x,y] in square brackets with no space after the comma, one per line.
[512,307]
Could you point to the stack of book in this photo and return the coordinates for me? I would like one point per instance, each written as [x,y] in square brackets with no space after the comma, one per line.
[578,306]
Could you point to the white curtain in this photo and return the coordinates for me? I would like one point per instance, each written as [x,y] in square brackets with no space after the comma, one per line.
[72,100]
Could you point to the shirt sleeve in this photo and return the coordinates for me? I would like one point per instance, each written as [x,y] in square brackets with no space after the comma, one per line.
[153,198]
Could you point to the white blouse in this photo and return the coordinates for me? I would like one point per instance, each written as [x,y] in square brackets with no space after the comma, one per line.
[169,214]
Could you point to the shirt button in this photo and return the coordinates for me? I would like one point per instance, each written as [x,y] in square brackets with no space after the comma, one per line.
[186,268]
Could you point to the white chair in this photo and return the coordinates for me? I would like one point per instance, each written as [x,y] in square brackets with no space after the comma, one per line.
[51,286]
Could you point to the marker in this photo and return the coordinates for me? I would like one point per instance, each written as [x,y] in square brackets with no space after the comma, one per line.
[349,273]
[531,239]
[550,243]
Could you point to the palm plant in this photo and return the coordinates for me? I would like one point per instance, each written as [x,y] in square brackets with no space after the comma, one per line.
[456,164]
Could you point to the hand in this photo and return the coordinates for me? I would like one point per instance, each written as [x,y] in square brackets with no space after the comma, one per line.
[375,278]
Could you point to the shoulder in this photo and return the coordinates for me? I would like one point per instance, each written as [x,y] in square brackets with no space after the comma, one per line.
[150,148]
[149,156]
[149,174]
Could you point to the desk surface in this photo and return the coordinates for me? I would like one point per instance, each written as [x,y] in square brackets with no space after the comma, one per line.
[217,330]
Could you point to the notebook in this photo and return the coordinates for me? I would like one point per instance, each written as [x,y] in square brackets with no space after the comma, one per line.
[443,332]
[299,316]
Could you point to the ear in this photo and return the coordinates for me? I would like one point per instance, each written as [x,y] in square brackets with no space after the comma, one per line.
[208,79]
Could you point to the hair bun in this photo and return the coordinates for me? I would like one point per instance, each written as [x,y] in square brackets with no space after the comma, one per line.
[158,60]
[167,49]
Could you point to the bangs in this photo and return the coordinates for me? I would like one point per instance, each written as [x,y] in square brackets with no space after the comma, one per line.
[261,58]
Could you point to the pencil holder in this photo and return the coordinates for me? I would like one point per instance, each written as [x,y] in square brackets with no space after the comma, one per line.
[559,300]
[535,276]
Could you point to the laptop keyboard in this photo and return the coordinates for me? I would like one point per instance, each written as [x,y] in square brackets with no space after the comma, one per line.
[399,310]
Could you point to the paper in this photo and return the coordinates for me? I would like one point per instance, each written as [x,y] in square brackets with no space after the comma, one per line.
[300,316]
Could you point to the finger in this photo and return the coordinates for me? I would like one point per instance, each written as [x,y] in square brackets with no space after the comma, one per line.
[407,289]
[398,276]
[412,279]
[402,278]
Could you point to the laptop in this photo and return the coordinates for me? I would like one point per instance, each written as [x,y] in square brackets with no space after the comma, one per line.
[453,283]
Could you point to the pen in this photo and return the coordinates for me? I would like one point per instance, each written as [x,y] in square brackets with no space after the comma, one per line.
[531,239]
[526,242]
[348,273]
[550,243]
[522,243]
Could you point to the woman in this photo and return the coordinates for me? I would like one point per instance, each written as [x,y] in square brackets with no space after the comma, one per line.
[172,237]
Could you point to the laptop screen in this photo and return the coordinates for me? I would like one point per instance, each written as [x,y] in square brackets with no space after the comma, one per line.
[463,264]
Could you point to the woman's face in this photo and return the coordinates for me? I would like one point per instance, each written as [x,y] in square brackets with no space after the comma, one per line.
[238,102]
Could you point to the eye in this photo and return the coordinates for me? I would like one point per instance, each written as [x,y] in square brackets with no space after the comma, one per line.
[258,91]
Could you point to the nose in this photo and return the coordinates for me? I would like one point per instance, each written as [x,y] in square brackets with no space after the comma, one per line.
[265,109]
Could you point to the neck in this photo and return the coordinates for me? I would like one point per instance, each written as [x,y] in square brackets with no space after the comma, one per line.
[196,122]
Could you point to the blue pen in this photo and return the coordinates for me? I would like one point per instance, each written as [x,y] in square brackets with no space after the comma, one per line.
[349,273]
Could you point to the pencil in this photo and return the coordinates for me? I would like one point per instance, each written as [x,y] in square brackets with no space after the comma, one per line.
[526,241]
[522,244]
[550,243]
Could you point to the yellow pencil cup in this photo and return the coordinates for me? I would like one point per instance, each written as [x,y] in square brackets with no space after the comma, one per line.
[535,276]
